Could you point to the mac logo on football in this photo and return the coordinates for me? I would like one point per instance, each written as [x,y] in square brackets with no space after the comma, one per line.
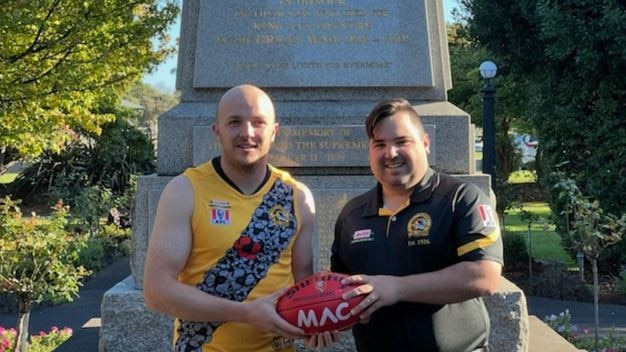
[342,312]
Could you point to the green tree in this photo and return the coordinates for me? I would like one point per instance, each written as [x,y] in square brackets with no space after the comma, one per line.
[154,101]
[465,58]
[590,230]
[60,59]
[571,57]
[38,257]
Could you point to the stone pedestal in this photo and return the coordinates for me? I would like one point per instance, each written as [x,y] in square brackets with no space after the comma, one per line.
[325,65]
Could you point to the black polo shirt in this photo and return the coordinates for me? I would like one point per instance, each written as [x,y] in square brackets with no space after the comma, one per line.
[445,222]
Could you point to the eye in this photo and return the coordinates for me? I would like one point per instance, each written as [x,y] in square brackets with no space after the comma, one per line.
[259,123]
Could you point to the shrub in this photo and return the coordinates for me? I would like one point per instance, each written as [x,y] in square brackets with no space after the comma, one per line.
[43,342]
[620,283]
[107,161]
[558,283]
[38,257]
[515,251]
[581,337]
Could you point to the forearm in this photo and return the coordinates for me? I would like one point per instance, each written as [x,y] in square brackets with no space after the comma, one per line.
[453,284]
[186,302]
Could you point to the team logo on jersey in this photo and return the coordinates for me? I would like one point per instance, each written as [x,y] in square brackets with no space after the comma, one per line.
[486,215]
[279,216]
[362,236]
[220,216]
[419,225]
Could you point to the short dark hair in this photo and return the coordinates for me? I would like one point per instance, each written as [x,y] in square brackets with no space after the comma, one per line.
[387,108]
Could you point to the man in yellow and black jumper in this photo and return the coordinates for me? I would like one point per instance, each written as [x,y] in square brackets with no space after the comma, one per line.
[230,236]
[422,245]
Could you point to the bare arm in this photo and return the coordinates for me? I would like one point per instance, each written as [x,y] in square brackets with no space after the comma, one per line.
[455,283]
[168,250]
[302,263]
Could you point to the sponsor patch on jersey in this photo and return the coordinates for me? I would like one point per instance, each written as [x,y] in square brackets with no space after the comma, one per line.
[220,216]
[487,216]
[279,216]
[362,236]
[213,203]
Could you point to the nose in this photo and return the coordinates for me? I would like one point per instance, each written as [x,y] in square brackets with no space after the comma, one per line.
[247,130]
[391,152]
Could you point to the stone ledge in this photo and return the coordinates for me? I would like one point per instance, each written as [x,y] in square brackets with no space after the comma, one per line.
[128,326]
[544,339]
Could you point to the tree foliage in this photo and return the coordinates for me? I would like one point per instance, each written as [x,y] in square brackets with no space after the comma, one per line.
[571,57]
[38,257]
[465,58]
[60,59]
[154,101]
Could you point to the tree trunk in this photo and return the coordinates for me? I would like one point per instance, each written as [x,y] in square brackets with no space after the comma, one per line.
[596,306]
[2,158]
[23,319]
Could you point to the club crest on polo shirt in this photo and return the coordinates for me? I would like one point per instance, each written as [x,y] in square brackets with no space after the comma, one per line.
[418,228]
[220,212]
[487,216]
[364,235]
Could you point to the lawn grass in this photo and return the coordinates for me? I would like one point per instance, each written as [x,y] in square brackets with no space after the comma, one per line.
[545,242]
[8,177]
[523,176]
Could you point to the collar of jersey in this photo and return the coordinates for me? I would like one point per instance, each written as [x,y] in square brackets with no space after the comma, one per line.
[421,193]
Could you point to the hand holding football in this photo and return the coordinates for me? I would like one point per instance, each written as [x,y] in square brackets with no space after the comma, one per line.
[314,304]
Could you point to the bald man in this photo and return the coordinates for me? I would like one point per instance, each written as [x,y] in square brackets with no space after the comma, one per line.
[230,236]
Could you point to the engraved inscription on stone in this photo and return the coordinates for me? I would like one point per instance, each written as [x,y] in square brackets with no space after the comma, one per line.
[328,204]
[307,146]
[313,43]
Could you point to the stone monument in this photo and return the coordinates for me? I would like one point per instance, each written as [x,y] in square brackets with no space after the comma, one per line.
[325,63]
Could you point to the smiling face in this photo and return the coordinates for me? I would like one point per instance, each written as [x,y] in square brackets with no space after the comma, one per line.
[398,151]
[245,126]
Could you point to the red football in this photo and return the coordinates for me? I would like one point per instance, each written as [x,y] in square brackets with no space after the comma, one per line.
[314,304]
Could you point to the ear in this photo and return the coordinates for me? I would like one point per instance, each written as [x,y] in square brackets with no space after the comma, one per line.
[426,141]
[216,131]
[275,132]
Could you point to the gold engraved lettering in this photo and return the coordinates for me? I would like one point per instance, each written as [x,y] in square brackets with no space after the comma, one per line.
[354,13]
[335,157]
[380,13]
[397,38]
[300,26]
[277,39]
[355,39]
[305,145]
[342,144]
[313,2]
[323,39]
[328,13]
[275,26]
[267,13]
[367,65]
[299,13]
[314,132]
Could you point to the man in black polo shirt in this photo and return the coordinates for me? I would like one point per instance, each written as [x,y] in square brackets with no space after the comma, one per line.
[422,245]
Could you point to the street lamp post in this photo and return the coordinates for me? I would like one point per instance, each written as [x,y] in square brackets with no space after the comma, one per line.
[488,70]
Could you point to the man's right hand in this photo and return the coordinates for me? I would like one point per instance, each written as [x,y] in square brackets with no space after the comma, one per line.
[261,314]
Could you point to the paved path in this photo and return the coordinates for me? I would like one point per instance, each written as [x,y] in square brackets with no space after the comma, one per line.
[83,315]
[612,317]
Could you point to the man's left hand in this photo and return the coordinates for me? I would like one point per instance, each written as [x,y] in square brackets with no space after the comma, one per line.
[381,291]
